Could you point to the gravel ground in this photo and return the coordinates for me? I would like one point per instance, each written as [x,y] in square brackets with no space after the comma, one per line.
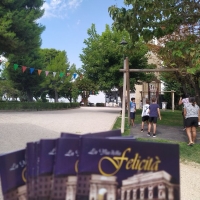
[18,128]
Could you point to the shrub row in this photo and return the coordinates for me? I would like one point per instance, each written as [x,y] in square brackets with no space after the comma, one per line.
[36,106]
[100,104]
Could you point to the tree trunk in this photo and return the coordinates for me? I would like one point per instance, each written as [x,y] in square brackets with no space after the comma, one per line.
[56,96]
[29,96]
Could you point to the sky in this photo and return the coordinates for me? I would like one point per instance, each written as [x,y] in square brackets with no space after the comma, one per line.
[67,22]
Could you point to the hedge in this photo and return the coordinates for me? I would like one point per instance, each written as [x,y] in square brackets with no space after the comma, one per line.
[20,106]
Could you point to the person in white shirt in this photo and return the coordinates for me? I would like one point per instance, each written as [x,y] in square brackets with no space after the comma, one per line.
[145,114]
[192,117]
[184,100]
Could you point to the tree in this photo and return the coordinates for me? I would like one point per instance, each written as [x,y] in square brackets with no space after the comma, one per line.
[19,30]
[57,66]
[175,24]
[26,82]
[20,41]
[103,57]
[86,88]
[154,18]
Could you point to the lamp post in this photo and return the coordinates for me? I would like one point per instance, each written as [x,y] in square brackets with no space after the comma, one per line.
[125,87]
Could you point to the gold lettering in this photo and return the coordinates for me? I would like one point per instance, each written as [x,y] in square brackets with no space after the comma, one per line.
[140,167]
[116,161]
[76,166]
[135,160]
[149,164]
[154,166]
[135,163]
[129,163]
[23,175]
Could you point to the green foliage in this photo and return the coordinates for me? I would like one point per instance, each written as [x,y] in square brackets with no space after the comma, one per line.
[25,82]
[176,24]
[21,106]
[56,63]
[19,32]
[154,18]
[100,105]
[103,57]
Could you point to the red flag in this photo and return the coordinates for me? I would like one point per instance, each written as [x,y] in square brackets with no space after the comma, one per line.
[24,68]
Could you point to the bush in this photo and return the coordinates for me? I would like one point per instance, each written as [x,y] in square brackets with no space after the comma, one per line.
[100,104]
[10,105]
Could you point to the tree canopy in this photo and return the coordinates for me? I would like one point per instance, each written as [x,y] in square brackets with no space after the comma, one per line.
[175,23]
[19,30]
[154,18]
[103,57]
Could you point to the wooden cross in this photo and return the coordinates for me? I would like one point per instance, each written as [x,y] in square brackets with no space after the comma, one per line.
[126,88]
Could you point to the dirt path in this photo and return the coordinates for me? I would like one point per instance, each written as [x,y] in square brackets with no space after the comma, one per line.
[190,181]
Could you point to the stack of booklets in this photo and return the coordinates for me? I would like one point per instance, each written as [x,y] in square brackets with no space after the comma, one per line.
[93,166]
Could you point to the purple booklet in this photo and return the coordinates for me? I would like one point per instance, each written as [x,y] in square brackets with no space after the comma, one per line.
[111,133]
[46,156]
[65,168]
[31,167]
[13,175]
[125,169]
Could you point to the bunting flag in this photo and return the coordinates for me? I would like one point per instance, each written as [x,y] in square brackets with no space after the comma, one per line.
[61,74]
[39,71]
[7,63]
[31,70]
[24,68]
[74,75]
[15,66]
[54,74]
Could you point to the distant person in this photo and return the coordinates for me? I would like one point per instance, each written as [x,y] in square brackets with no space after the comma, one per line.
[183,100]
[145,114]
[132,111]
[141,104]
[154,113]
[192,119]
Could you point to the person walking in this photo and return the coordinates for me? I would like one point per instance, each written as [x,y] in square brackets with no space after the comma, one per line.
[145,114]
[184,100]
[154,113]
[132,111]
[192,119]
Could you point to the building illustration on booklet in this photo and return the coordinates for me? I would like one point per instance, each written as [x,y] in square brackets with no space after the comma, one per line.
[139,186]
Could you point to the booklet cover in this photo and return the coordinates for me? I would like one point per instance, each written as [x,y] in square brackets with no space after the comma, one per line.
[65,169]
[46,156]
[13,175]
[131,170]
[111,133]
[30,169]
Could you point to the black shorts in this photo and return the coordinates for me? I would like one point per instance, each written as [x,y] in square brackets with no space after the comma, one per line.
[153,119]
[191,121]
[145,118]
[132,115]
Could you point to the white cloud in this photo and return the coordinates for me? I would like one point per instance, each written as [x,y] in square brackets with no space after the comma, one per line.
[74,3]
[59,8]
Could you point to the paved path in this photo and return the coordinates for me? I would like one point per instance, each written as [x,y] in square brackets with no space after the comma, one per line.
[18,128]
[164,132]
